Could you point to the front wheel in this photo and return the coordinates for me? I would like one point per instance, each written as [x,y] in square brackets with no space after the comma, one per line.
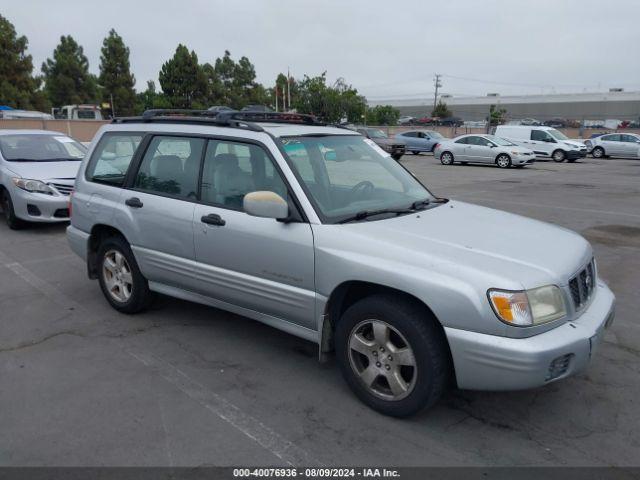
[597,152]
[121,281]
[559,156]
[13,222]
[446,158]
[503,161]
[393,354]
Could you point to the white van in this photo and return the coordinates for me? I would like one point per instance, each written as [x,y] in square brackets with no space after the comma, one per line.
[544,141]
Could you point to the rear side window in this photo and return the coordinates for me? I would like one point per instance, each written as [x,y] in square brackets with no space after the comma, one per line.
[111,158]
[611,138]
[171,166]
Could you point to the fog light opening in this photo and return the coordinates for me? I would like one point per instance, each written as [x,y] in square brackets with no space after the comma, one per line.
[559,366]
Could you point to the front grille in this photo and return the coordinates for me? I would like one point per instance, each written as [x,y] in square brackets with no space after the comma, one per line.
[559,366]
[582,286]
[62,188]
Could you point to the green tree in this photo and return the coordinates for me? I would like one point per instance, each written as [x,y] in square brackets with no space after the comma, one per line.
[66,75]
[150,98]
[183,80]
[233,83]
[497,115]
[116,79]
[329,103]
[441,110]
[18,88]
[383,115]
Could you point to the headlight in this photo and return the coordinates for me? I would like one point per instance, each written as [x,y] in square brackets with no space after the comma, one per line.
[528,307]
[33,186]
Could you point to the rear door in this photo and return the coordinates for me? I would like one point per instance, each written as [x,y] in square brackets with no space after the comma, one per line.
[259,264]
[460,149]
[158,209]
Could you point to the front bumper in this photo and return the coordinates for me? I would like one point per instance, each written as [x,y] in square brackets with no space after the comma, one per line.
[488,362]
[575,154]
[38,207]
[523,160]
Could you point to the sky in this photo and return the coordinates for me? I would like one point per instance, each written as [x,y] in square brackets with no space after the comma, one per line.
[386,49]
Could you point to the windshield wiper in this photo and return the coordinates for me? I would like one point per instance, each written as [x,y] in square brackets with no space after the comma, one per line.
[420,204]
[372,213]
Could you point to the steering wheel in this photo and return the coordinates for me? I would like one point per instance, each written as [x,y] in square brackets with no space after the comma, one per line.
[361,189]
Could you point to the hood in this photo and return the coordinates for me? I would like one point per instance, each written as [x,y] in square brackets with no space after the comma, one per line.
[45,170]
[574,143]
[388,141]
[468,241]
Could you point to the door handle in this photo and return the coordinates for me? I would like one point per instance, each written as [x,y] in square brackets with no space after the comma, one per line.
[133,202]
[213,219]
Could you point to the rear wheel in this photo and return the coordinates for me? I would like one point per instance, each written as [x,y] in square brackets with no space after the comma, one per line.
[13,222]
[393,354]
[597,152]
[122,283]
[503,161]
[558,156]
[446,158]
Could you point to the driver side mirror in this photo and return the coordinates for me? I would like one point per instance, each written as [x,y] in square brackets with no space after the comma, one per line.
[265,204]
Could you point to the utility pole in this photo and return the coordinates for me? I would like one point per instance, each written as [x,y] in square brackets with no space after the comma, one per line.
[288,88]
[276,96]
[437,84]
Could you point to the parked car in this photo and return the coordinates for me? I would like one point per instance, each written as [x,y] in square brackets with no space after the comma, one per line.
[417,141]
[220,109]
[450,122]
[530,122]
[392,146]
[614,145]
[426,120]
[406,120]
[312,230]
[544,141]
[37,172]
[555,123]
[256,108]
[483,149]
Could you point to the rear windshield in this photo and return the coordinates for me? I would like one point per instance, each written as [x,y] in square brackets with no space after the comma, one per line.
[40,148]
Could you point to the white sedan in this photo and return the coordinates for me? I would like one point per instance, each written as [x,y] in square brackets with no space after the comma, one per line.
[489,149]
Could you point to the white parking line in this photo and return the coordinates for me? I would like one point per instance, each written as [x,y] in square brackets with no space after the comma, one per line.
[248,425]
[553,207]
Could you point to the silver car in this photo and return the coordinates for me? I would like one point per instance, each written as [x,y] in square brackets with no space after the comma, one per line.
[488,149]
[615,145]
[317,231]
[37,172]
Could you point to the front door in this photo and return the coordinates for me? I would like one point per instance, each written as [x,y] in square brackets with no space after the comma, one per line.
[256,263]
[479,150]
[542,143]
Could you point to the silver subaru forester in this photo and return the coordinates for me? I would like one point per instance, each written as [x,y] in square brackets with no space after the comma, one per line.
[317,231]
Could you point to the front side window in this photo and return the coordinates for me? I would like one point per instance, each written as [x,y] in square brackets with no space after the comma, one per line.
[557,134]
[112,157]
[611,138]
[40,148]
[346,174]
[171,166]
[233,169]
[630,139]
[540,136]
[500,141]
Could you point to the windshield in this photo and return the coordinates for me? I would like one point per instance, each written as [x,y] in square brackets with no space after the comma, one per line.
[40,148]
[499,141]
[557,135]
[376,133]
[344,175]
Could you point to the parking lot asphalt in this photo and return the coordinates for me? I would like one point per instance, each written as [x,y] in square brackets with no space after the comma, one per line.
[184,384]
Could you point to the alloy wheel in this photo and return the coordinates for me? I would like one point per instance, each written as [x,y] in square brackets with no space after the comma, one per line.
[382,359]
[117,276]
[446,159]
[503,161]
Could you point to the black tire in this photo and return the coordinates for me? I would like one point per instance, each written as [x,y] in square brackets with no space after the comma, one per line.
[427,341]
[598,152]
[503,160]
[13,222]
[140,296]
[415,152]
[447,158]
[559,156]
[396,157]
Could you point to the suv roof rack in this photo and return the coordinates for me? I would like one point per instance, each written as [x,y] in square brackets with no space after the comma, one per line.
[234,119]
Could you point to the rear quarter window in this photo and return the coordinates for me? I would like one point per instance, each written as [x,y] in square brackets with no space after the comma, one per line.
[112,156]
